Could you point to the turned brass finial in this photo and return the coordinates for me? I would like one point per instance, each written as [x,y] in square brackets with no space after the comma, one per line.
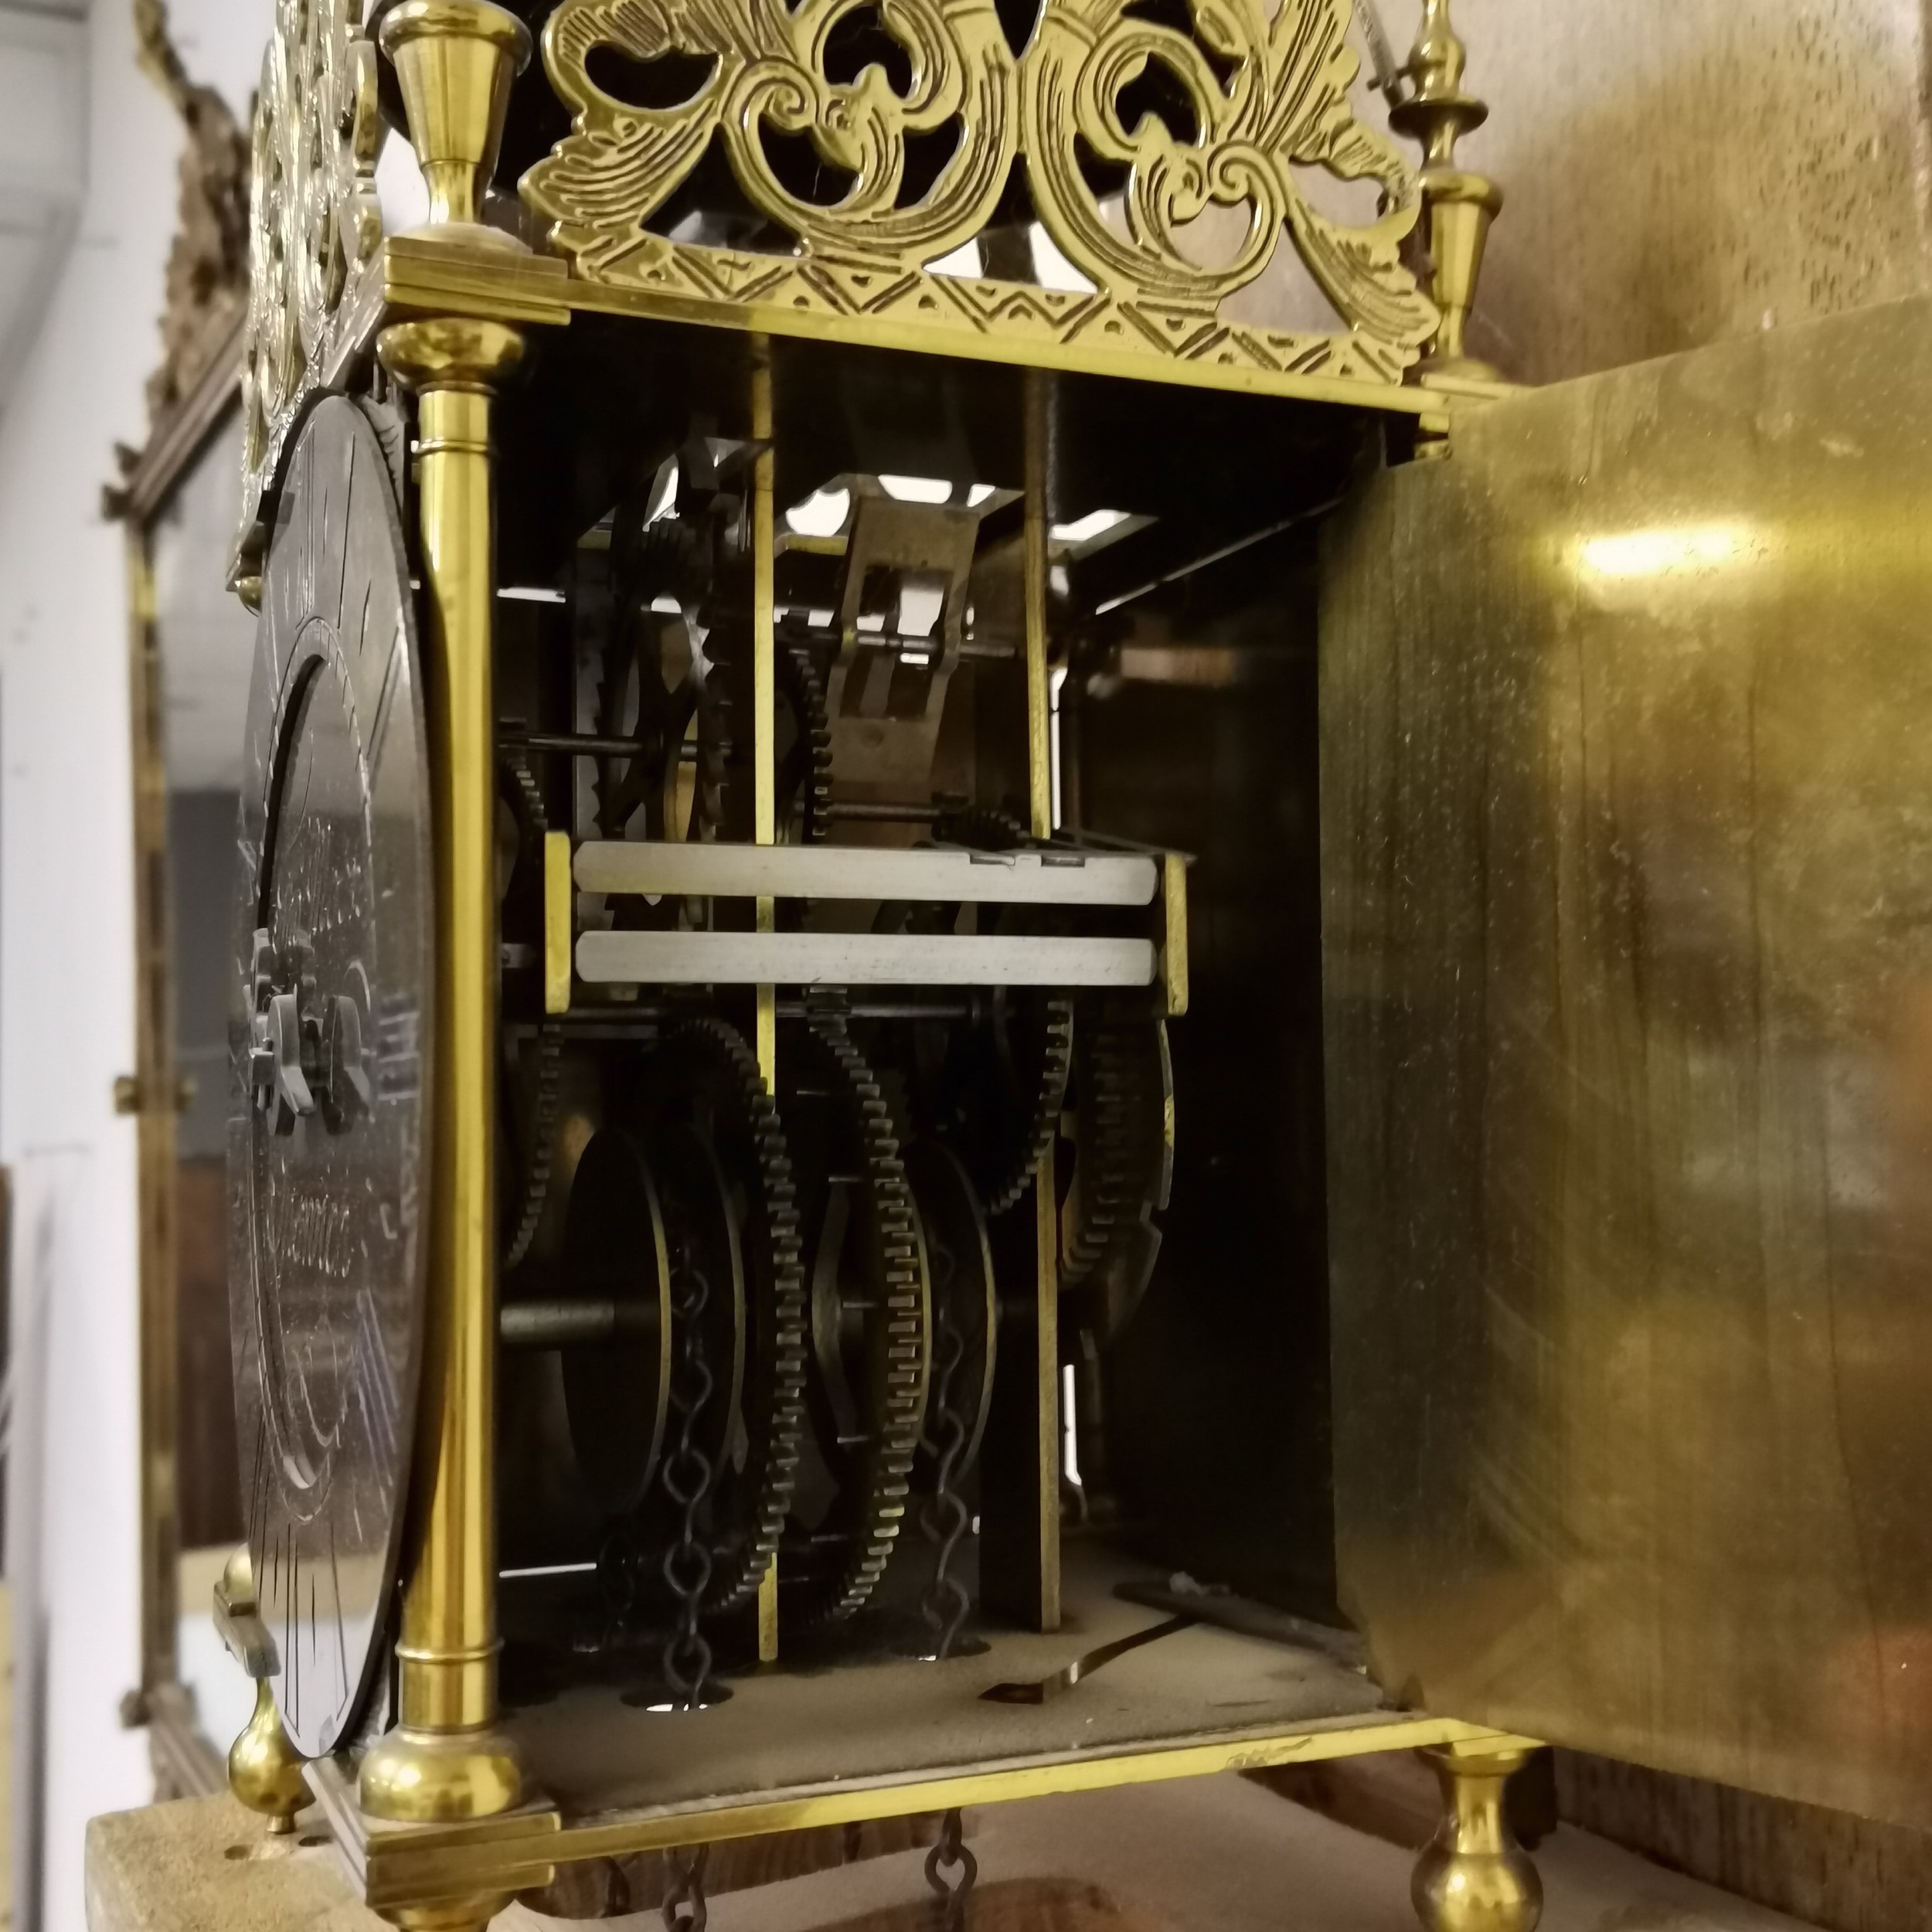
[1459,205]
[1473,1877]
[264,1771]
[456,59]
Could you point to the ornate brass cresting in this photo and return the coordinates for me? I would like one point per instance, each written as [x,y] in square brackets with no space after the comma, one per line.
[1268,92]
[446,1761]
[315,223]
[1473,1877]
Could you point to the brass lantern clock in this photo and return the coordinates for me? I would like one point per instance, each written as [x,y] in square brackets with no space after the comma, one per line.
[905,673]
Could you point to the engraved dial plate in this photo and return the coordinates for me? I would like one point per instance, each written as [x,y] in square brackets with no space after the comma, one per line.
[328,1033]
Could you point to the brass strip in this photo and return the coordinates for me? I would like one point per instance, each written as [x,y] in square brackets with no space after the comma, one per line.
[1039,748]
[764,738]
[481,295]
[1046,1242]
[557,922]
[156,1095]
[1174,940]
[401,1866]
[442,279]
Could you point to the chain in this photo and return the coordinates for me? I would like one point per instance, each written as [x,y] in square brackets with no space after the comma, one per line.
[949,1856]
[687,1482]
[943,1519]
[620,1577]
[684,1907]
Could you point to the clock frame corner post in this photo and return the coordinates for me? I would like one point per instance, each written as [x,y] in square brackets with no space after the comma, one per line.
[445,1761]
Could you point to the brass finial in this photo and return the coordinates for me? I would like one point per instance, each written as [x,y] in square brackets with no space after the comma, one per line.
[1459,206]
[263,1769]
[456,59]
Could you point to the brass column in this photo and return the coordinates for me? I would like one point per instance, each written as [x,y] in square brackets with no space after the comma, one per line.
[445,1761]
[764,761]
[1039,786]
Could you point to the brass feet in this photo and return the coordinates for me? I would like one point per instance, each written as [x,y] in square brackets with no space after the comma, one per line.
[1473,1877]
[263,1769]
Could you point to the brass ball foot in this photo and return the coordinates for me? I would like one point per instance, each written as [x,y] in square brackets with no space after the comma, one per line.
[1473,1877]
[439,1777]
[264,1771]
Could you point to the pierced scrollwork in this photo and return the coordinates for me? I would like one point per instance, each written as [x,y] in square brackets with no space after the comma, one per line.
[1133,118]
[769,77]
[316,223]
[1265,96]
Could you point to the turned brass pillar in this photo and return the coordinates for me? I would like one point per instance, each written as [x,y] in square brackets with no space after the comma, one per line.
[1458,206]
[445,1761]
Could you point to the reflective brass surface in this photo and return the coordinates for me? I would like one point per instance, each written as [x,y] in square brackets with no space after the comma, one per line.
[444,1761]
[456,59]
[1151,292]
[506,1852]
[1459,206]
[316,225]
[264,1769]
[1628,871]
[1473,1877]
[557,922]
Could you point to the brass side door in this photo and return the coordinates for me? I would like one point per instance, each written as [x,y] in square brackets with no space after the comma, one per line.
[1627,792]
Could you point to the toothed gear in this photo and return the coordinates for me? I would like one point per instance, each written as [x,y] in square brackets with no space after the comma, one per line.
[1002,1107]
[538,1148]
[870,1433]
[1047,1020]
[535,1147]
[650,560]
[980,828]
[707,1076]
[722,805]
[804,779]
[1123,1160]
[725,773]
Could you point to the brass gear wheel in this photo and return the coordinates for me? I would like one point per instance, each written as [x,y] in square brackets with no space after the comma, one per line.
[1123,1160]
[870,1305]
[706,1079]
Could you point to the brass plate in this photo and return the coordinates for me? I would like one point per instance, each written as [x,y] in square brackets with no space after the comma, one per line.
[1628,878]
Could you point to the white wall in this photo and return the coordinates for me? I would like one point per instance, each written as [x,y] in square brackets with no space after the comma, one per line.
[66,990]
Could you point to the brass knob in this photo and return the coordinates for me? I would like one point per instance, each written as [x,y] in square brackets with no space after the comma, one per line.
[264,1771]
[1473,1877]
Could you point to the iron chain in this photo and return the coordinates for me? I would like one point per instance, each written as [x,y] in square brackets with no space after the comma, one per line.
[943,1519]
[687,1482]
[950,1870]
[684,1909]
